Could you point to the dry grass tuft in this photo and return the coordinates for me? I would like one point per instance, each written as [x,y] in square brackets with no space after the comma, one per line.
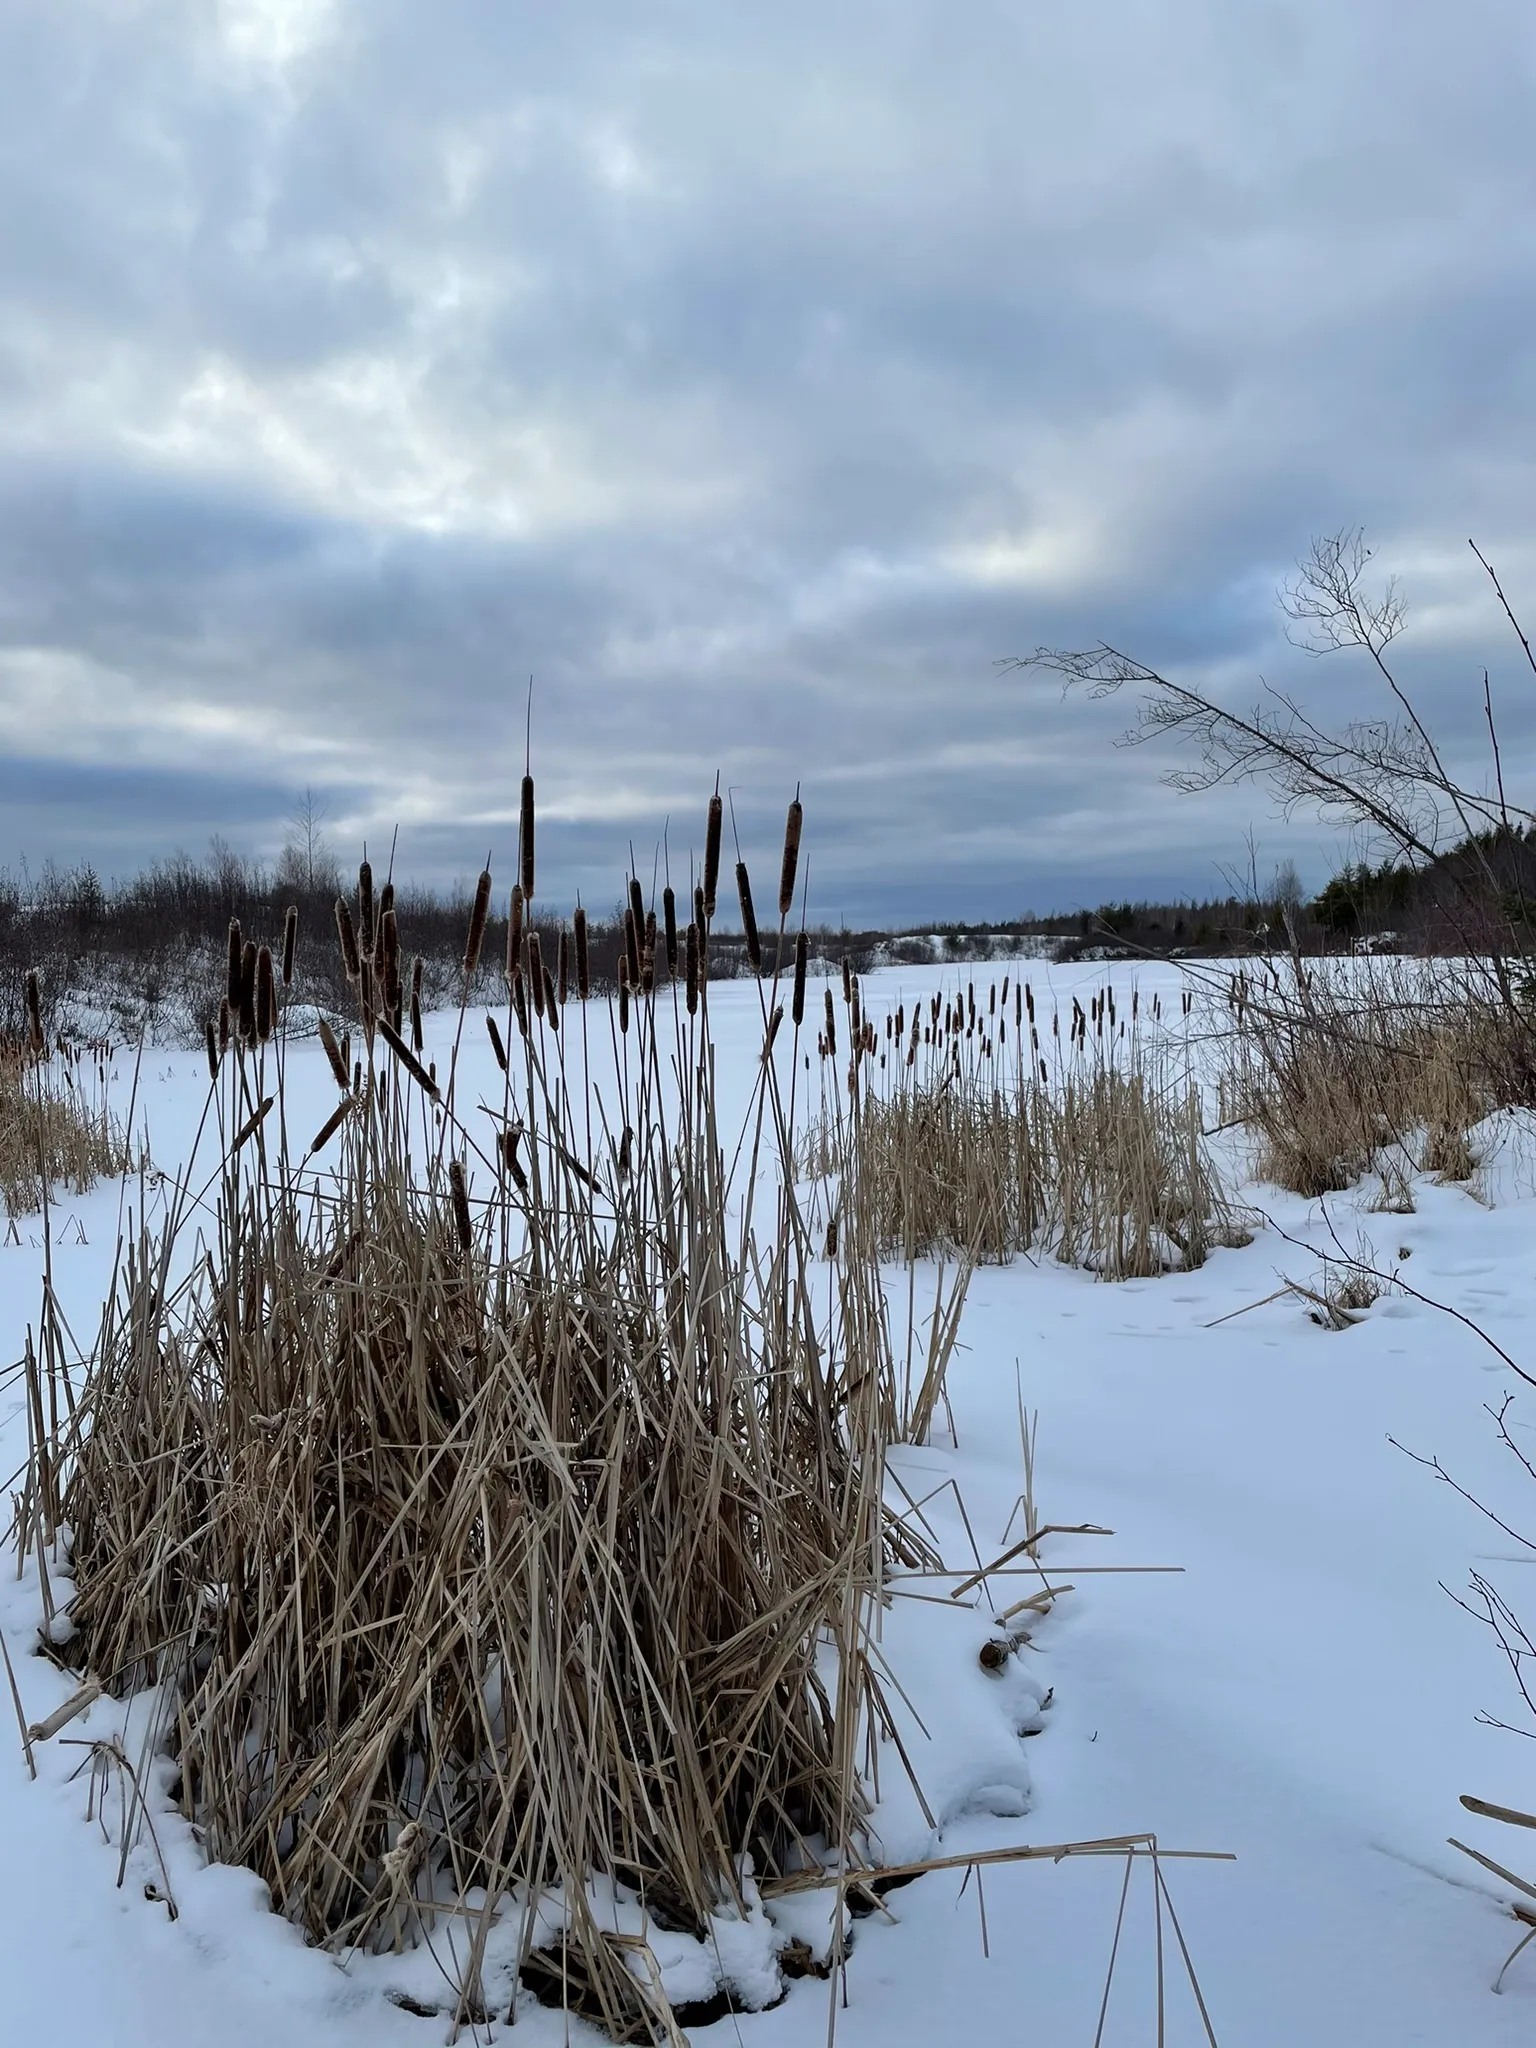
[55,1127]
[960,1139]
[495,1515]
[1339,1074]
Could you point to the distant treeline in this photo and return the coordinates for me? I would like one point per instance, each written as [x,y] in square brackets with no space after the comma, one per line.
[151,950]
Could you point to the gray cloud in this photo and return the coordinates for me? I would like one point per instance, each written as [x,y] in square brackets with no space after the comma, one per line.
[754,379]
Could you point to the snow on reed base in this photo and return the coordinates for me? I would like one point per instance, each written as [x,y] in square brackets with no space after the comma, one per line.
[490,1508]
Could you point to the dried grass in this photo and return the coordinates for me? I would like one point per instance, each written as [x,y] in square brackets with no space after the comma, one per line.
[950,1136]
[56,1129]
[494,1514]
[1385,1068]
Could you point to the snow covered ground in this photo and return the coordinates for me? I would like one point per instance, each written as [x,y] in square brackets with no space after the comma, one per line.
[1299,1691]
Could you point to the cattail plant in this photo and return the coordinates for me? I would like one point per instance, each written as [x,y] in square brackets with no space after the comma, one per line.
[290,942]
[669,926]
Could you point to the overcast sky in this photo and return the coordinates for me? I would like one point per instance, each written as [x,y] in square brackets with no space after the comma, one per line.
[753,376]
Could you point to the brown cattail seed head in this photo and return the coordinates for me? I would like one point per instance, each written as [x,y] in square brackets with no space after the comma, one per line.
[831,1026]
[637,903]
[266,995]
[631,945]
[551,1007]
[496,1045]
[798,1008]
[583,962]
[563,987]
[525,840]
[34,1002]
[712,831]
[623,1004]
[510,1160]
[346,932]
[520,1002]
[290,943]
[669,927]
[213,1051]
[691,960]
[223,1026]
[748,918]
[848,981]
[536,972]
[236,954]
[417,1035]
[247,1005]
[791,861]
[648,954]
[515,931]
[365,907]
[334,1054]
[477,916]
[460,1197]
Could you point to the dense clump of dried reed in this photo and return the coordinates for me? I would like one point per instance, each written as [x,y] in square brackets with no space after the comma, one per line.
[951,1133]
[1378,1065]
[56,1129]
[494,1510]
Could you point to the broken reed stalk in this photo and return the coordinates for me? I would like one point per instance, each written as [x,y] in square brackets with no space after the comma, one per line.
[485,1554]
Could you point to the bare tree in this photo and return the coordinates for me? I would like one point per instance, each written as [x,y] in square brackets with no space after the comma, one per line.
[1385,777]
[306,857]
